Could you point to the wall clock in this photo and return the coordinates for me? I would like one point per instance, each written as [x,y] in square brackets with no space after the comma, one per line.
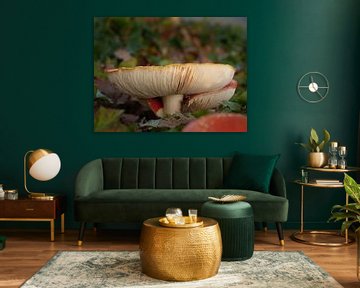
[313,87]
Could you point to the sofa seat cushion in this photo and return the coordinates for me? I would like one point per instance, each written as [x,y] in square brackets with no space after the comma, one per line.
[264,205]
[166,195]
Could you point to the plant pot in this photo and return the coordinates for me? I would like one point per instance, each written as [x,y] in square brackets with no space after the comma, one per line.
[317,159]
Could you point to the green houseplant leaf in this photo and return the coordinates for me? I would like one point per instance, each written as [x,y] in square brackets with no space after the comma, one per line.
[314,136]
[326,139]
[314,145]
[307,146]
[349,214]
[352,188]
[326,136]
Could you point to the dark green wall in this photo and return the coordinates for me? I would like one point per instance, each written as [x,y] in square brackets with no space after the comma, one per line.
[46,87]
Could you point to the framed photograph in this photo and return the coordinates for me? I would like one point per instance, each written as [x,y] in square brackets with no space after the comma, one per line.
[170,74]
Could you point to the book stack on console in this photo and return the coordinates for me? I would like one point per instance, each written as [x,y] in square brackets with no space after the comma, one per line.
[327,181]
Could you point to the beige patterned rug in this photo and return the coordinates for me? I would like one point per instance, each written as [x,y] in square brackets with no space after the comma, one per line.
[80,269]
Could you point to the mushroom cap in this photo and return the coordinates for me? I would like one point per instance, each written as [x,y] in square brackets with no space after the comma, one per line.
[218,122]
[210,99]
[158,81]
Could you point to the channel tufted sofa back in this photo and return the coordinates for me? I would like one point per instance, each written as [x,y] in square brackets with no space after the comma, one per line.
[164,173]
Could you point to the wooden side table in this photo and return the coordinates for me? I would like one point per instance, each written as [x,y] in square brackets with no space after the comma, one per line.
[27,209]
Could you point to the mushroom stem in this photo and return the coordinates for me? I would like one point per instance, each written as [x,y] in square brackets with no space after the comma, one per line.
[172,104]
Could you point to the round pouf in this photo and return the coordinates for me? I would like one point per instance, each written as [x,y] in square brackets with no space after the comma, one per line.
[180,254]
[236,222]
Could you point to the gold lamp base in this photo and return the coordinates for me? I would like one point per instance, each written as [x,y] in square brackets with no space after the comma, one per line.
[41,196]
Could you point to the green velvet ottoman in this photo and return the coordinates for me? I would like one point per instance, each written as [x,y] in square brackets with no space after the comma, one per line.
[236,221]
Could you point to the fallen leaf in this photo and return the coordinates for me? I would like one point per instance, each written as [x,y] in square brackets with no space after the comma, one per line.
[171,121]
[107,120]
[129,118]
[108,90]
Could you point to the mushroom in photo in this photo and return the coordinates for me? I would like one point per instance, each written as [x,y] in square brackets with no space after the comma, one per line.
[177,88]
[218,122]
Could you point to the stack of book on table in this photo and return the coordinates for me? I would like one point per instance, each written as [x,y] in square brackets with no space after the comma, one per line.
[327,181]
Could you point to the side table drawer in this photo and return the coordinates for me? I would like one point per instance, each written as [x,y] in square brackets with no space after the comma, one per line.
[30,209]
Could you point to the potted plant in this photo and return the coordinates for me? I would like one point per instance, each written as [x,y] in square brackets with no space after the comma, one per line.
[350,214]
[317,157]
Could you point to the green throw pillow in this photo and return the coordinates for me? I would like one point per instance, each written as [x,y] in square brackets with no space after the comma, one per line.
[251,172]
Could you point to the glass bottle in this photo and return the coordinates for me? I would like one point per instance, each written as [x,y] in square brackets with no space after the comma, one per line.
[304,176]
[11,194]
[342,154]
[333,162]
[2,192]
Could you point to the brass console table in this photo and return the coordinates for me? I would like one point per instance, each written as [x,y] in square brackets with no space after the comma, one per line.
[297,235]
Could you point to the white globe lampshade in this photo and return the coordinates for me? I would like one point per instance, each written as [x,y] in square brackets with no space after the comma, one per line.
[46,167]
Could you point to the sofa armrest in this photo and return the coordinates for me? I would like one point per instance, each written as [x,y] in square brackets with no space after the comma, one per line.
[277,184]
[89,179]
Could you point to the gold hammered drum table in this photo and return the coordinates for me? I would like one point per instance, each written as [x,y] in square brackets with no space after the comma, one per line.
[180,254]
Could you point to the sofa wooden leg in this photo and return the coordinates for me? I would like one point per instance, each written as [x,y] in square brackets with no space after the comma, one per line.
[280,233]
[265,227]
[81,233]
[95,227]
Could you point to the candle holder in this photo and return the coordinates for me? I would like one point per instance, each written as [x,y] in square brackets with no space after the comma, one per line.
[333,149]
[342,153]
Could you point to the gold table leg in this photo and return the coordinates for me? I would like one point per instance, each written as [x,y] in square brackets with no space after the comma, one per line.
[52,230]
[346,230]
[63,223]
[302,210]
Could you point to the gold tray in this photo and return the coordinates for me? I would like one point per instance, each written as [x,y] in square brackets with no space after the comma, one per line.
[165,222]
[228,198]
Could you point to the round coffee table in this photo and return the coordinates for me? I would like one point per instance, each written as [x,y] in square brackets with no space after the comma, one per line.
[180,254]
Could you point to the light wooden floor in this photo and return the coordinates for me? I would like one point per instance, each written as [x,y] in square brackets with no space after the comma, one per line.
[28,250]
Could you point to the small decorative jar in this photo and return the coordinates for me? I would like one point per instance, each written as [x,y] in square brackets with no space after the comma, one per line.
[2,192]
[11,194]
[304,176]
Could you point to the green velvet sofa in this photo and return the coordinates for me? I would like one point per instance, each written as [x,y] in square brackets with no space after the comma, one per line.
[130,190]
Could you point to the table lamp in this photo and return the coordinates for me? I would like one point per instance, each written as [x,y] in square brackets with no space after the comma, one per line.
[43,165]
